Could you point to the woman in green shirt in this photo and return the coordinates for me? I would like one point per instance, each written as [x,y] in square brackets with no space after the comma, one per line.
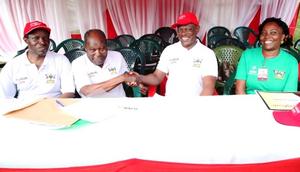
[268,68]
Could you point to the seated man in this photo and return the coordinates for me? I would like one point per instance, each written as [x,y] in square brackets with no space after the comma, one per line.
[99,73]
[37,72]
[190,66]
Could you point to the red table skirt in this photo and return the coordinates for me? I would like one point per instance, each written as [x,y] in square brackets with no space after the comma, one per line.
[138,165]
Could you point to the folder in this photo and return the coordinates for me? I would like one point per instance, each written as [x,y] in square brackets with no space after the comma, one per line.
[45,111]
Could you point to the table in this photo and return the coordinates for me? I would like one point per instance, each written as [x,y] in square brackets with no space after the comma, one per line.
[212,133]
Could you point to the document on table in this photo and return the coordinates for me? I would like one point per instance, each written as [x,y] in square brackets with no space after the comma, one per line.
[40,111]
[96,110]
[279,100]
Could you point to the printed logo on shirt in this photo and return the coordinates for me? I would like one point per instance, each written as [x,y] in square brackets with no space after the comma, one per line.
[197,63]
[279,74]
[50,78]
[22,80]
[92,74]
[112,70]
[173,60]
[253,70]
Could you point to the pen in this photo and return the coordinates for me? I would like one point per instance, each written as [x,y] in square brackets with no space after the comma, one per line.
[59,103]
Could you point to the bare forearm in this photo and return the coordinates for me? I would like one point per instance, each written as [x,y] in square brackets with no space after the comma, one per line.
[208,86]
[150,79]
[154,78]
[240,87]
[67,95]
[103,86]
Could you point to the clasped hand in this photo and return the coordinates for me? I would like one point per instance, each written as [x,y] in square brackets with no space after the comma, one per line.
[133,79]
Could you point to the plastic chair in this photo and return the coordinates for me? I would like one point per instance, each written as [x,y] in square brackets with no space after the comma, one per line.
[244,34]
[113,44]
[150,50]
[133,58]
[292,52]
[168,34]
[230,41]
[74,54]
[135,62]
[155,38]
[212,41]
[52,45]
[70,44]
[125,40]
[297,45]
[228,57]
[218,30]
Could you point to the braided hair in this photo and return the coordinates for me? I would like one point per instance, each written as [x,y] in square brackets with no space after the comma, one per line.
[288,40]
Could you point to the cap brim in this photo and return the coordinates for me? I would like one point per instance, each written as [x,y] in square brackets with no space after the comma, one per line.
[40,27]
[287,118]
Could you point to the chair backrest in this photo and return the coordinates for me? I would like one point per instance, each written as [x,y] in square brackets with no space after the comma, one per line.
[297,45]
[168,34]
[151,52]
[73,54]
[70,44]
[155,38]
[257,44]
[135,62]
[228,57]
[21,51]
[113,44]
[292,52]
[52,45]
[133,57]
[125,40]
[244,34]
[228,53]
[218,30]
[230,41]
[212,41]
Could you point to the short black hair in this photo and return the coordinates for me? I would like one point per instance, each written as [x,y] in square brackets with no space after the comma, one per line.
[87,33]
[288,40]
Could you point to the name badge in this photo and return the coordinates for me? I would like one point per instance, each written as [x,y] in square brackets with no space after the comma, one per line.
[262,74]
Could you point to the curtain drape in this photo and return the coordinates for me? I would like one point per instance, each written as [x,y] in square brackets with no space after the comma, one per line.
[136,17]
[14,15]
[90,14]
[279,8]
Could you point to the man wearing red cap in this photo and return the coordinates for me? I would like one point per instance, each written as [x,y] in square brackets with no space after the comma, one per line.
[37,72]
[190,66]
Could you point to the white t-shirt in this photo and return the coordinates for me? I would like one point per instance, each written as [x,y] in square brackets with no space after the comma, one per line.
[52,79]
[186,68]
[86,73]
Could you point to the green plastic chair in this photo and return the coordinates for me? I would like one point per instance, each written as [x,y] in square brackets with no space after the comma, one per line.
[113,44]
[243,34]
[125,40]
[74,54]
[70,44]
[168,34]
[151,52]
[135,62]
[228,57]
[297,46]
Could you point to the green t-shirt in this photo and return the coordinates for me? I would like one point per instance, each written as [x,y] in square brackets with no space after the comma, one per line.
[282,71]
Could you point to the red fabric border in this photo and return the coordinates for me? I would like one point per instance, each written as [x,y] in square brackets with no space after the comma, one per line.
[138,165]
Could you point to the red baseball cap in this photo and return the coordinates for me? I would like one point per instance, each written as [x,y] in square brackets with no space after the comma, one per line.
[186,18]
[30,26]
[289,117]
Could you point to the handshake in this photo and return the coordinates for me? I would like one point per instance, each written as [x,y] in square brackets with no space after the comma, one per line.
[133,79]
